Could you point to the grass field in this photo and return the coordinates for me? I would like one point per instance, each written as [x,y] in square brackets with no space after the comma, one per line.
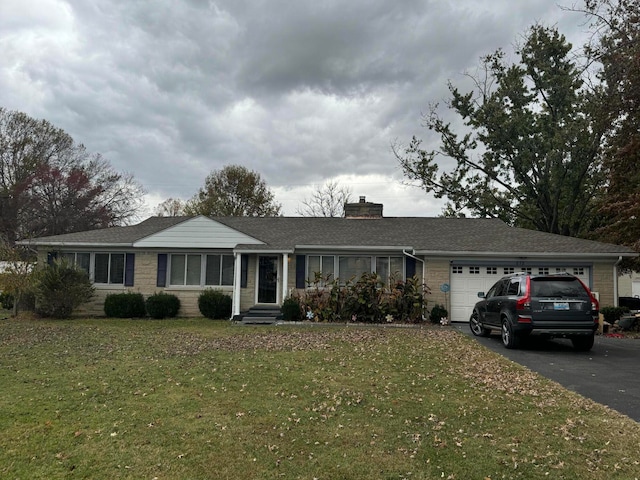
[196,399]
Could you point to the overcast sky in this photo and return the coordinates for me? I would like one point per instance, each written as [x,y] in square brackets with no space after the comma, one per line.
[300,91]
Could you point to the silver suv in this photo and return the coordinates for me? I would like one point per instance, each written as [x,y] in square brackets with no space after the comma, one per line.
[522,304]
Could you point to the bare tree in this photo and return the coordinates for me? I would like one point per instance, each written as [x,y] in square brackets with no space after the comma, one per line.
[326,201]
[171,207]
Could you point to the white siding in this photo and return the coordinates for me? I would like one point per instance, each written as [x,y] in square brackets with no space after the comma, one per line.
[197,232]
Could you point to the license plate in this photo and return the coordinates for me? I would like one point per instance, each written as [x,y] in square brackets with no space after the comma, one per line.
[560,305]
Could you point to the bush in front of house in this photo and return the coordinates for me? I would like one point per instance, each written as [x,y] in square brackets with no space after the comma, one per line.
[59,288]
[6,301]
[613,314]
[291,309]
[368,299]
[125,305]
[162,305]
[438,312]
[215,304]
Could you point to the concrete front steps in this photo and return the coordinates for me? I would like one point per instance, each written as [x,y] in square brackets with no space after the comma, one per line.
[261,314]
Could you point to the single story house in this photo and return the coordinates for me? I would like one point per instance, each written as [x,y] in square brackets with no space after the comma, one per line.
[262,260]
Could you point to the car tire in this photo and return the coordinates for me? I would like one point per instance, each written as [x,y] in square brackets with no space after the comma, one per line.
[509,338]
[583,344]
[476,327]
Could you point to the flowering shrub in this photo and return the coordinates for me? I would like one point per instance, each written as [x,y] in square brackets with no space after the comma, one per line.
[367,299]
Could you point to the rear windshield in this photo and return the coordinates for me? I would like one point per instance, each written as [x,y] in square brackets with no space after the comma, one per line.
[557,287]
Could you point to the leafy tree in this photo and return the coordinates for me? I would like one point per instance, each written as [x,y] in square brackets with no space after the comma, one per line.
[171,207]
[234,191]
[529,149]
[51,185]
[326,201]
[615,45]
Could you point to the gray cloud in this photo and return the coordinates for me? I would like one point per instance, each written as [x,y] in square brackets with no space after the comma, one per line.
[300,91]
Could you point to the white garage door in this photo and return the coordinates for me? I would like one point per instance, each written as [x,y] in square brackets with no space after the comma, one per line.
[468,280]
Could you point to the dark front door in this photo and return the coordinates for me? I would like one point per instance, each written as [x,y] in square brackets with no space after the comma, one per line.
[268,279]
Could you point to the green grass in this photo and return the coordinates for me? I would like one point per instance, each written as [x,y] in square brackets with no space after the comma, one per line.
[190,399]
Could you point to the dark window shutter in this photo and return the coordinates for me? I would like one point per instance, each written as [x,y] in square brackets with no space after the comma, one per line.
[129,268]
[411,267]
[301,270]
[51,256]
[161,280]
[244,270]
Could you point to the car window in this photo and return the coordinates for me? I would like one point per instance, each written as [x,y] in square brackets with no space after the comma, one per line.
[499,289]
[493,291]
[557,288]
[514,287]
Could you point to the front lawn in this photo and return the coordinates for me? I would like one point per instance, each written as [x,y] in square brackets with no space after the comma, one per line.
[173,399]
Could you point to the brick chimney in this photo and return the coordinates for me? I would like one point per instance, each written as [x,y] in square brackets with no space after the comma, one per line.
[363,209]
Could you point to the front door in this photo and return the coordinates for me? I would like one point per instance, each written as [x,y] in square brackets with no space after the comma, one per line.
[268,279]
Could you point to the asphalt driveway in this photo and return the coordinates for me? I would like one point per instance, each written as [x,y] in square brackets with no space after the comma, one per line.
[608,374]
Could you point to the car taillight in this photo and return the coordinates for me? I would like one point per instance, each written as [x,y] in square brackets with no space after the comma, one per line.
[524,303]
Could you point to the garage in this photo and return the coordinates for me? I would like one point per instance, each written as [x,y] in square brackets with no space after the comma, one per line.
[466,280]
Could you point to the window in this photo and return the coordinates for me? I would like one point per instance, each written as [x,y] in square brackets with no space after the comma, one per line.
[456,269]
[509,270]
[82,260]
[200,270]
[323,265]
[219,270]
[390,269]
[109,268]
[543,271]
[492,270]
[474,270]
[526,270]
[353,267]
[578,270]
[514,287]
[560,269]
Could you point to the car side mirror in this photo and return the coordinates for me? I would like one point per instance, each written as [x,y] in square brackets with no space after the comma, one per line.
[481,295]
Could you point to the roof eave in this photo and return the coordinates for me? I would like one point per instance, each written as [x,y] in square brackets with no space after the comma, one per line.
[360,248]
[468,253]
[75,244]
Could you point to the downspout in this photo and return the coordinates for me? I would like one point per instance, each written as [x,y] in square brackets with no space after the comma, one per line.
[615,281]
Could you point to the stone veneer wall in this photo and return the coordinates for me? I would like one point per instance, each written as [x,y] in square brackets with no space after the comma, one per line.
[145,276]
[603,283]
[437,273]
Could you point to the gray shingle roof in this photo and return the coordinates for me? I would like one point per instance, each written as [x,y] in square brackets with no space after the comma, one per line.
[424,234]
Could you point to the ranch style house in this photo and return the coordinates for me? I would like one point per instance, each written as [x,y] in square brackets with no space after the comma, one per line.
[259,261]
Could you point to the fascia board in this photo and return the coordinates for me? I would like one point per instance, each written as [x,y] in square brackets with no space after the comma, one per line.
[360,248]
[441,253]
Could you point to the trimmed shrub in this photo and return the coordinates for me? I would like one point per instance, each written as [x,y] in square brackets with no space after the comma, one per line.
[162,305]
[613,314]
[215,304]
[125,305]
[6,301]
[437,313]
[61,287]
[291,309]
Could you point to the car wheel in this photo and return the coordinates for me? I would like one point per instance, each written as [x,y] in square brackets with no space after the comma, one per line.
[476,327]
[583,344]
[509,339]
